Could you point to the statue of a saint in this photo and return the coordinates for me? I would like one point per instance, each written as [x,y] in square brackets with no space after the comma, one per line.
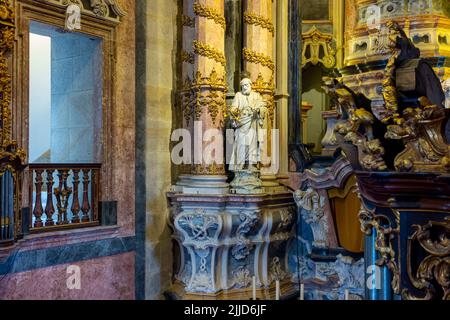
[248,114]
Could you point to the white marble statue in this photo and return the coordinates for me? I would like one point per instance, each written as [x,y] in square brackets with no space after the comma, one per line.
[446,87]
[248,113]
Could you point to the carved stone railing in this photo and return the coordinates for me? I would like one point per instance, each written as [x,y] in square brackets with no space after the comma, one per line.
[64,196]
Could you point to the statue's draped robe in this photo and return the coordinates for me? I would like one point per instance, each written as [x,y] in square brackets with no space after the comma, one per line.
[248,134]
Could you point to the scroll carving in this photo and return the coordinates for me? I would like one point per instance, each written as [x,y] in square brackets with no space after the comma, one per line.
[313,42]
[433,271]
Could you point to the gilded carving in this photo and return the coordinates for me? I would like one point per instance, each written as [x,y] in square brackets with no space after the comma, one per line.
[187,57]
[420,130]
[187,21]
[187,99]
[385,232]
[208,51]
[267,90]
[258,58]
[213,169]
[209,13]
[389,84]
[434,269]
[99,8]
[257,20]
[314,42]
[208,94]
[12,158]
[355,124]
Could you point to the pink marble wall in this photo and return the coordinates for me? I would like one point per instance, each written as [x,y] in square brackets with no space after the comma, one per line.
[123,121]
[109,278]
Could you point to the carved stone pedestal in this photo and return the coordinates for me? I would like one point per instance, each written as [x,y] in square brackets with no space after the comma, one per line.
[246,182]
[225,240]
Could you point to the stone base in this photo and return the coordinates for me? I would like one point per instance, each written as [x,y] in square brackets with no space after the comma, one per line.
[288,290]
[193,184]
[246,182]
[222,241]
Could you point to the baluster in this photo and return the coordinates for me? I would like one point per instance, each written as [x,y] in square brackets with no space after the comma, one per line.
[62,194]
[58,193]
[38,210]
[94,193]
[85,207]
[75,202]
[65,196]
[49,208]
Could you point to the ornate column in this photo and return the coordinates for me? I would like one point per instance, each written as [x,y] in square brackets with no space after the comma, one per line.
[258,56]
[203,95]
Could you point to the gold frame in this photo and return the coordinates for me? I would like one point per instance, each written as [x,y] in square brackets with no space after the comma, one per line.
[330,16]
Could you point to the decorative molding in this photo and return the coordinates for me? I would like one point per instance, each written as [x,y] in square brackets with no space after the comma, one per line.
[103,9]
[258,58]
[210,170]
[212,81]
[210,94]
[313,41]
[187,21]
[187,57]
[203,93]
[204,49]
[209,13]
[257,20]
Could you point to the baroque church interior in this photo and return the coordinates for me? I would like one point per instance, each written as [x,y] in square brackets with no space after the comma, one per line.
[225,149]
